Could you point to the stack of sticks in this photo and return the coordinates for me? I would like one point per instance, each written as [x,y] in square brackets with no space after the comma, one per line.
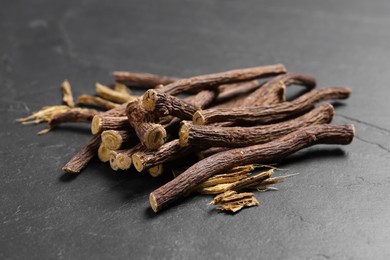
[212,137]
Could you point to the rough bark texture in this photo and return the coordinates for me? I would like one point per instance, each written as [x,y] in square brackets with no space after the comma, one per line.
[166,153]
[113,95]
[151,135]
[209,136]
[75,115]
[96,101]
[234,91]
[145,80]
[82,158]
[202,99]
[270,113]
[262,153]
[117,139]
[162,104]
[117,111]
[273,91]
[214,80]
[102,123]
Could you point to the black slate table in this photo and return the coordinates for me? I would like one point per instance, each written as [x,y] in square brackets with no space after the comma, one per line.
[337,208]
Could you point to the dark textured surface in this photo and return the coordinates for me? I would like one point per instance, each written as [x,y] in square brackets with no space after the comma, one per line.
[338,207]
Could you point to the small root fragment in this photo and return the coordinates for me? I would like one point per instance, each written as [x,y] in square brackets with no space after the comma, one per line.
[233,201]
[67,94]
[113,95]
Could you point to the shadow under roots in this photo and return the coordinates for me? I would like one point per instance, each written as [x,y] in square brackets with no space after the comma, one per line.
[83,129]
[312,155]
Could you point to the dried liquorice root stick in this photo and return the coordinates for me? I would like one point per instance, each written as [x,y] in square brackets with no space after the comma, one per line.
[146,80]
[82,158]
[209,136]
[102,123]
[163,104]
[121,159]
[74,115]
[214,80]
[262,153]
[117,139]
[273,91]
[166,153]
[270,113]
[96,101]
[113,95]
[230,91]
[202,100]
[210,151]
[151,135]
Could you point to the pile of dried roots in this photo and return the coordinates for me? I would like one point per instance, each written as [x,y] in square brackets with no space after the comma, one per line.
[211,139]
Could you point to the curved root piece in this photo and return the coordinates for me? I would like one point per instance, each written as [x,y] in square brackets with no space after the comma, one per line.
[183,134]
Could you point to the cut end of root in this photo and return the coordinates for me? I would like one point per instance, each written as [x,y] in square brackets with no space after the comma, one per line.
[123,161]
[153,202]
[155,137]
[95,125]
[353,131]
[103,153]
[329,110]
[139,166]
[111,139]
[149,100]
[183,135]
[156,170]
[69,170]
[198,118]
[113,163]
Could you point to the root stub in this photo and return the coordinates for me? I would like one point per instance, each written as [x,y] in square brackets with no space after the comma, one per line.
[139,166]
[123,161]
[149,100]
[96,125]
[198,118]
[155,137]
[111,139]
[153,203]
[183,135]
